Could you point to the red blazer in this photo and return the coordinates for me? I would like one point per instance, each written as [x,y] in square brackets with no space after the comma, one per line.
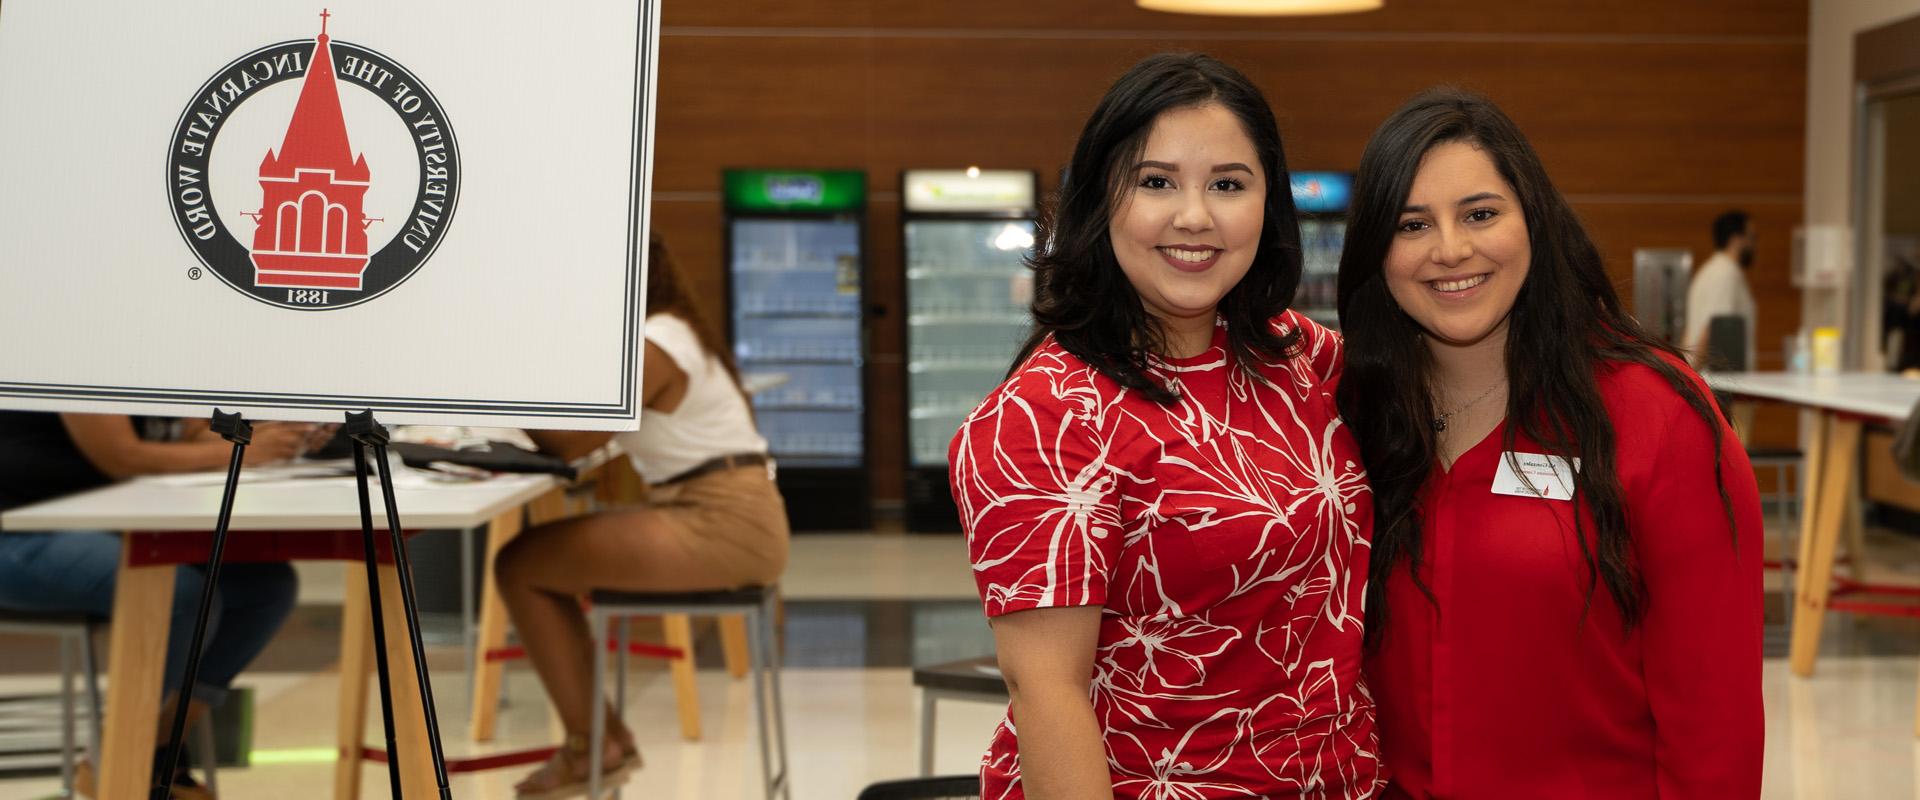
[1513,686]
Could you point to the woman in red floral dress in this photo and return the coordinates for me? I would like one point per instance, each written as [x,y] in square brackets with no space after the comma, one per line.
[1167,521]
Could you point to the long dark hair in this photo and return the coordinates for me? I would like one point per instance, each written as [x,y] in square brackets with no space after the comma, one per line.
[1080,295]
[667,293]
[1566,321]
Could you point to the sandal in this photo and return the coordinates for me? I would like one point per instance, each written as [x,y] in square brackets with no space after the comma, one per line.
[565,774]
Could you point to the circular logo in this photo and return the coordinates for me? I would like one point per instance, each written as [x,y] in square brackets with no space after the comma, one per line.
[313,174]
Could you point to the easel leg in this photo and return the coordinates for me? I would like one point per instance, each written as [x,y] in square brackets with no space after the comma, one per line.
[493,631]
[142,616]
[238,432]
[413,743]
[413,702]
[356,665]
[1842,441]
[377,614]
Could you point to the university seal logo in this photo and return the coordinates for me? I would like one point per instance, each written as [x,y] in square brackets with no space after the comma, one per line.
[313,174]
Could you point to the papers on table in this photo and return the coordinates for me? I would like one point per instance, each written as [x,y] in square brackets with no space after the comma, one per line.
[308,472]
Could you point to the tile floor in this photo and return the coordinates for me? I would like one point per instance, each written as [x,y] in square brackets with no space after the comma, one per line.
[863,608]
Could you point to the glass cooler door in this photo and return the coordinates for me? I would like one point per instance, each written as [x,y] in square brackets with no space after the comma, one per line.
[796,318]
[967,296]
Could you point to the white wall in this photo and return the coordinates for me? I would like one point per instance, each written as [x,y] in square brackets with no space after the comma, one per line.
[1829,187]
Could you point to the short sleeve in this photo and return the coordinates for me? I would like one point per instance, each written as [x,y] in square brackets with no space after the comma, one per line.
[676,338]
[1036,497]
[1322,348]
[1712,293]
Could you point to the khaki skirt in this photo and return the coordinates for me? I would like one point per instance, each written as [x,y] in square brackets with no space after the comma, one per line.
[733,521]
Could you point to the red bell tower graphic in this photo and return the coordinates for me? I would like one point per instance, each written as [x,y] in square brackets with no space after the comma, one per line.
[310,231]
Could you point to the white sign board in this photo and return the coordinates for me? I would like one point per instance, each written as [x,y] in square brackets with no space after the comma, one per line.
[436,209]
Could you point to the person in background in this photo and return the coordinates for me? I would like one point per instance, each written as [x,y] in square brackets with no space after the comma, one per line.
[713,520]
[1565,592]
[45,455]
[1719,287]
[1167,522]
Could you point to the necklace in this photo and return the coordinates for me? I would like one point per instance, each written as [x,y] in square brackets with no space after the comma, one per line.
[1440,422]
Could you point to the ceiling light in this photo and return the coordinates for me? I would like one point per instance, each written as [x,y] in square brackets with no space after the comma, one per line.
[1260,8]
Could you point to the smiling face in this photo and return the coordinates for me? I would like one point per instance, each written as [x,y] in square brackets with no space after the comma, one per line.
[1188,218]
[1460,251]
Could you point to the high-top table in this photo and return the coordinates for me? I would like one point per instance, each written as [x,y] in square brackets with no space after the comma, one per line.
[1845,402]
[169,521]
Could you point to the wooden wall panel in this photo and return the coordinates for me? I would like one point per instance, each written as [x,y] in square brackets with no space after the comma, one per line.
[757,103]
[1652,116]
[1622,128]
[1439,18]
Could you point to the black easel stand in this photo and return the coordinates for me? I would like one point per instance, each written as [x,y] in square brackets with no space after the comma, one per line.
[365,433]
[236,430]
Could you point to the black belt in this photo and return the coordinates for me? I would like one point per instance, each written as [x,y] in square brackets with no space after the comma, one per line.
[722,463]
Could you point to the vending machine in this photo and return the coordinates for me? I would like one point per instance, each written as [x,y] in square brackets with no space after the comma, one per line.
[795,252]
[1320,199]
[967,234]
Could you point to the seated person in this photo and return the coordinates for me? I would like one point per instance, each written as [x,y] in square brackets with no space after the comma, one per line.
[45,455]
[713,520]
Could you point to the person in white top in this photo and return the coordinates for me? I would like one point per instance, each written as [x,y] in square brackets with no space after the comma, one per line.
[1719,287]
[713,520]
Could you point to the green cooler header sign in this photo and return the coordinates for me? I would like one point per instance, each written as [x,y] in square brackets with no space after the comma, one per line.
[795,190]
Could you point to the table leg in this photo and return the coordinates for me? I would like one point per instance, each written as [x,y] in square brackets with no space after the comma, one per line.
[1811,485]
[1836,475]
[1741,418]
[356,671]
[686,688]
[493,631]
[409,710]
[1854,528]
[142,615]
[1916,721]
[733,644]
[927,701]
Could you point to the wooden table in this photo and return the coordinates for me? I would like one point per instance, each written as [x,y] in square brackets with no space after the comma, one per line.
[169,521]
[1844,402]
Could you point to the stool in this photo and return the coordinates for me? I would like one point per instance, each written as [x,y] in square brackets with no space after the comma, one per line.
[75,631]
[756,603]
[1785,462]
[976,679]
[616,482]
[951,787]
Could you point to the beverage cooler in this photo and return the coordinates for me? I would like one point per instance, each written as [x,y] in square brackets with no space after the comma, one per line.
[1320,199]
[967,233]
[795,252]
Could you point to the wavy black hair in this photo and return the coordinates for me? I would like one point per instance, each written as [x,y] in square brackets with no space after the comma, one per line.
[1083,299]
[1566,321]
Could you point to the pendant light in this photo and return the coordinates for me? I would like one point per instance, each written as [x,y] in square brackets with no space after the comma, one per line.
[1260,8]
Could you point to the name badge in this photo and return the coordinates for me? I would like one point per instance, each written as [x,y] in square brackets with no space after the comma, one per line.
[1543,476]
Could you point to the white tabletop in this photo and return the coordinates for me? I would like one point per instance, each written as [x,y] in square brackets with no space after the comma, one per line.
[1871,394]
[191,503]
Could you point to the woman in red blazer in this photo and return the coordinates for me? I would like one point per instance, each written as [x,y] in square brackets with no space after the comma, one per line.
[1565,592]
